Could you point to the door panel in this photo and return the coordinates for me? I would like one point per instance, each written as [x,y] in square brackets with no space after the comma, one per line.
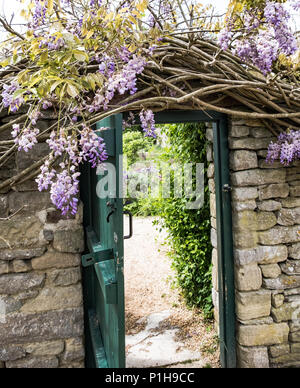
[103,278]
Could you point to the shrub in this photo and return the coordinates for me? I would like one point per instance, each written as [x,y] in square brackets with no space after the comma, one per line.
[189,230]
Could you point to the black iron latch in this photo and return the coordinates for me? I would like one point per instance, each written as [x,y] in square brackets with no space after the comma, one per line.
[227,188]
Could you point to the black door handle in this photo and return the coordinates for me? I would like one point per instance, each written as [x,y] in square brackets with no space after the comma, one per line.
[130,225]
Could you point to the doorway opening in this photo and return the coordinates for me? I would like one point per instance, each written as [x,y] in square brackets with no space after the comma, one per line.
[168,271]
[103,261]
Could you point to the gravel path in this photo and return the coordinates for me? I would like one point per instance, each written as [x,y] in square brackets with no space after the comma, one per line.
[148,290]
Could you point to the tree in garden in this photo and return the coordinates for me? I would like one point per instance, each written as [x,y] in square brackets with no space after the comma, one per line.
[83,60]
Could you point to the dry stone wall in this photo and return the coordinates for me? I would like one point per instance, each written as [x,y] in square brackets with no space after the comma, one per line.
[41,303]
[266,222]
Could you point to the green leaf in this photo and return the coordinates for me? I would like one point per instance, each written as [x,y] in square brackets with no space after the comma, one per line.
[72,91]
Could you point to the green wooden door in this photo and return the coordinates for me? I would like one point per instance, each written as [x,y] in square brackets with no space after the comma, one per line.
[103,262]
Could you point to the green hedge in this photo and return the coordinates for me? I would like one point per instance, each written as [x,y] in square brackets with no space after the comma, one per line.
[189,230]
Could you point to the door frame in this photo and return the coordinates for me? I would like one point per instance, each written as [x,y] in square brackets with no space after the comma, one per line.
[226,286]
[227,317]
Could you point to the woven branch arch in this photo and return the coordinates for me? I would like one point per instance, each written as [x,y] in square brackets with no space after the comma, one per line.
[188,73]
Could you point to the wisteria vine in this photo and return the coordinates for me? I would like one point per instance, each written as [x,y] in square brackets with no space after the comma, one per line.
[82,61]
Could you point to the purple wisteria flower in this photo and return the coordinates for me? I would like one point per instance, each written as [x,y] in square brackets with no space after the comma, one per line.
[262,47]
[148,123]
[8,99]
[92,148]
[286,149]
[64,185]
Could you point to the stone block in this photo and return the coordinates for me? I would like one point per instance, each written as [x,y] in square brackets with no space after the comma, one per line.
[291,202]
[258,177]
[295,336]
[243,160]
[53,259]
[238,131]
[252,357]
[295,348]
[15,283]
[269,206]
[280,235]
[213,209]
[51,325]
[69,240]
[274,191]
[244,193]
[245,256]
[245,239]
[271,271]
[249,143]
[283,282]
[26,159]
[211,170]
[24,254]
[248,278]
[261,132]
[277,300]
[50,348]
[271,254]
[56,298]
[214,238]
[215,279]
[21,266]
[288,360]
[11,353]
[291,267]
[289,217]
[279,350]
[263,335]
[257,321]
[20,232]
[294,251]
[34,363]
[74,350]
[286,312]
[253,305]
[4,268]
[64,277]
[243,206]
[29,201]
[295,191]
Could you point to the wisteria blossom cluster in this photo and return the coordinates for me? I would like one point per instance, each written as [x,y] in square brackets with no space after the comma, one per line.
[64,185]
[262,40]
[8,99]
[286,149]
[148,122]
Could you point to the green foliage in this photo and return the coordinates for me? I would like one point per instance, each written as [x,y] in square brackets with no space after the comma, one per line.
[189,230]
[133,143]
